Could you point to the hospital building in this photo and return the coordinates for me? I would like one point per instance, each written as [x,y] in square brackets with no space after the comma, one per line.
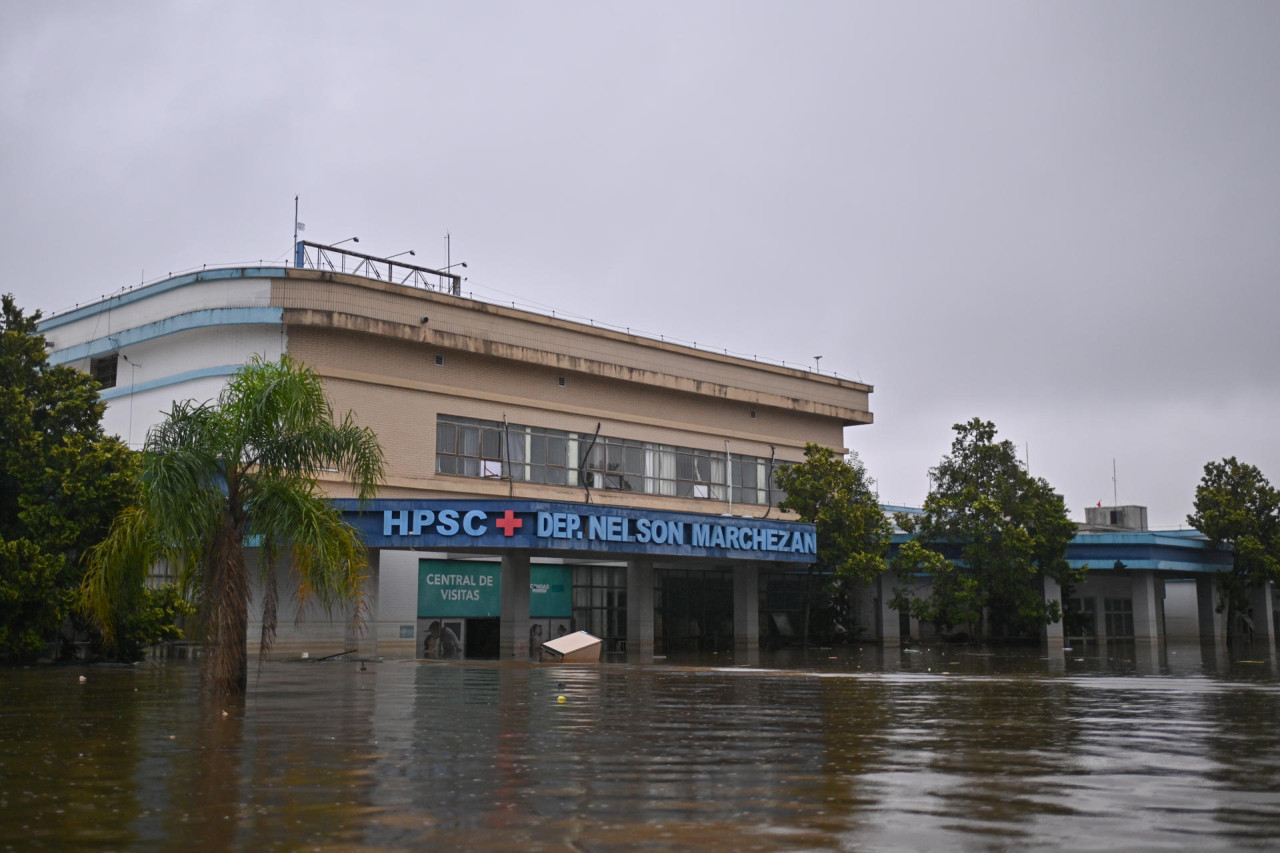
[543,475]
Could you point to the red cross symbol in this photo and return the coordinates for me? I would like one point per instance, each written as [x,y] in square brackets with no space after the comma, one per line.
[509,523]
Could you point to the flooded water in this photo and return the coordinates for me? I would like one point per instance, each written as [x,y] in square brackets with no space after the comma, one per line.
[837,750]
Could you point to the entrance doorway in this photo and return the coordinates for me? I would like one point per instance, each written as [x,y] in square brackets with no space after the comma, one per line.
[483,639]
[693,610]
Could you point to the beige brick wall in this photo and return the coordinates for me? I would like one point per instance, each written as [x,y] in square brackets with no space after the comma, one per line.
[380,364]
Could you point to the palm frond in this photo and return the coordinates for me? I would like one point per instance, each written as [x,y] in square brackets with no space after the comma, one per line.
[326,553]
[117,568]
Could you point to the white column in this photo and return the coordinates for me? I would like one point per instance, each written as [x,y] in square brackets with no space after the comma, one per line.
[1263,615]
[1053,632]
[1146,612]
[1213,625]
[640,611]
[513,631]
[746,608]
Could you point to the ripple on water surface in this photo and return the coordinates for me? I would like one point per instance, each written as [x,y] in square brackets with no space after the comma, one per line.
[829,756]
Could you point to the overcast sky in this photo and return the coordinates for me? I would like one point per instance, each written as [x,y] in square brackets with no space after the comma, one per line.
[1061,217]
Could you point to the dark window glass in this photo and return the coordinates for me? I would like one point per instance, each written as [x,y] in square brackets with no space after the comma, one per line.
[491,444]
[557,451]
[446,438]
[104,369]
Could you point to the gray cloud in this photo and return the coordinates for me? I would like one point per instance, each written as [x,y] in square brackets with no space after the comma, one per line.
[1057,216]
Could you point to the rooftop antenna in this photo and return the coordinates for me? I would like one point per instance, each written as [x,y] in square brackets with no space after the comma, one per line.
[817,364]
[297,226]
[1115,492]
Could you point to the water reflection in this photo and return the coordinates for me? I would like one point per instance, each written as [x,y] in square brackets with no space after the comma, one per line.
[949,747]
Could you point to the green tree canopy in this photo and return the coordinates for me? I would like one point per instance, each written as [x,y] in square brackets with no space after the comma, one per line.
[245,467]
[61,482]
[1236,506]
[837,496]
[988,534]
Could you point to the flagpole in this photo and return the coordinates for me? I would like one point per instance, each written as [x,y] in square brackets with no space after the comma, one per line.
[294,247]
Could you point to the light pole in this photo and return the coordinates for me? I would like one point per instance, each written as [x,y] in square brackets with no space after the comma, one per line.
[457,283]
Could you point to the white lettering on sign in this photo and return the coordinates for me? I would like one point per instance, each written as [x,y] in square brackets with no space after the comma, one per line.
[607,527]
[602,527]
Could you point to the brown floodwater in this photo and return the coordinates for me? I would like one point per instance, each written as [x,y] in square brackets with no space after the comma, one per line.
[850,749]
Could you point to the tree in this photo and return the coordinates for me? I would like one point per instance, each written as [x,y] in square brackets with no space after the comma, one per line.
[61,482]
[217,474]
[836,495]
[989,533]
[1237,507]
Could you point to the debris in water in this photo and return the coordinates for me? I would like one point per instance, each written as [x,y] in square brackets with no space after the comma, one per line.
[579,647]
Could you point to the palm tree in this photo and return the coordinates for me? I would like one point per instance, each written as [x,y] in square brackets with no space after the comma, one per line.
[216,475]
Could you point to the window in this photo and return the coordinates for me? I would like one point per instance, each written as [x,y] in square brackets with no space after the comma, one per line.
[468,447]
[1080,617]
[600,604]
[104,369]
[1118,613]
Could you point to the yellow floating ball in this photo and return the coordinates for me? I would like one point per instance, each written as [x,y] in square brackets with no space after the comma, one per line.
[561,699]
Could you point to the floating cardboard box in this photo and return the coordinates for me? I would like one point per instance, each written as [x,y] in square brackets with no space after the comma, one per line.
[579,647]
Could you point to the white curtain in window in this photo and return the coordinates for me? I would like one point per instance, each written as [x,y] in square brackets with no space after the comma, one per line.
[470,443]
[667,471]
[715,477]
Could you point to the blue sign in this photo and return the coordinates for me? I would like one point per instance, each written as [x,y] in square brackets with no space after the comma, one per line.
[547,526]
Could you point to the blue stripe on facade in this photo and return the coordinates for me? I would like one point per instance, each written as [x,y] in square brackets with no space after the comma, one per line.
[159,287]
[176,379]
[170,325]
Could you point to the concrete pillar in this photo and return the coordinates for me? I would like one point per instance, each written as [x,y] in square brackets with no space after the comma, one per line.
[886,617]
[1053,632]
[1263,616]
[513,631]
[1213,625]
[746,608]
[1146,656]
[863,602]
[1146,605]
[640,611]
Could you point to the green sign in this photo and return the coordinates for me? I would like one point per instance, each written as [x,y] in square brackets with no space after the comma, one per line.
[550,592]
[458,588]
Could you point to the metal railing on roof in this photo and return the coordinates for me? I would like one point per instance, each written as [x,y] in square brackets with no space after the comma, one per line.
[320,257]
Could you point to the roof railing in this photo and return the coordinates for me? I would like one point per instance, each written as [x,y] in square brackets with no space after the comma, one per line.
[317,256]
